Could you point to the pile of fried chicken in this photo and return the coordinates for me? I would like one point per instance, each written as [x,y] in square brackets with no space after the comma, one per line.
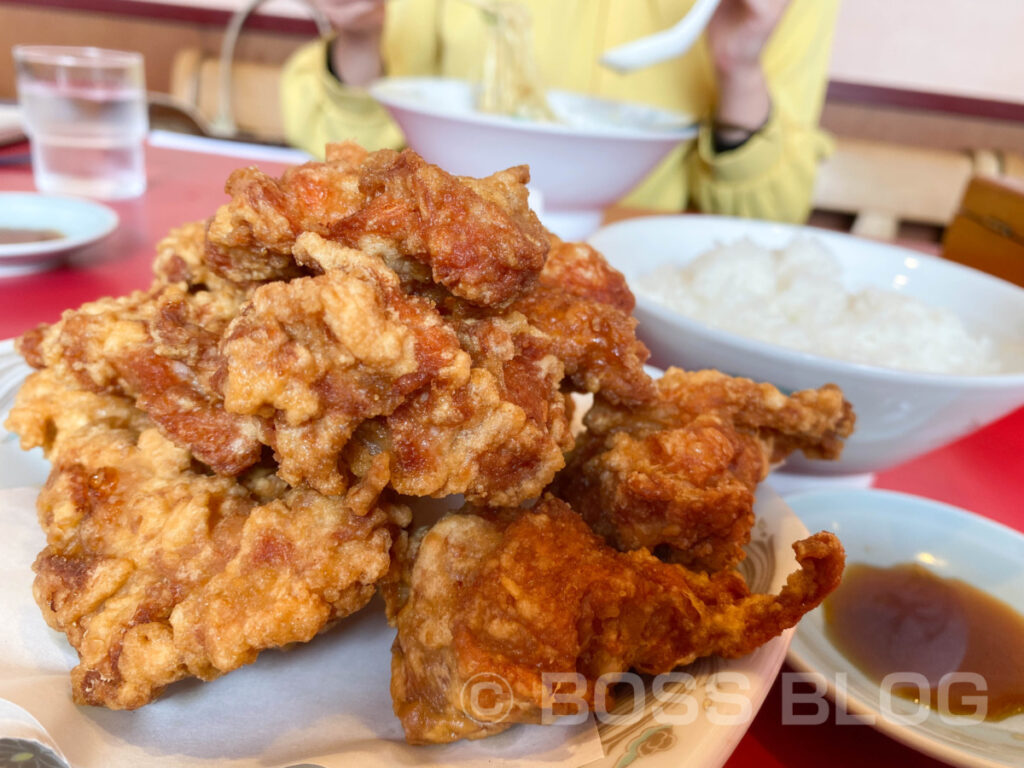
[234,450]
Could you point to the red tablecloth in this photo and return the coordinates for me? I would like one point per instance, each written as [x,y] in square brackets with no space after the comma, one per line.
[982,472]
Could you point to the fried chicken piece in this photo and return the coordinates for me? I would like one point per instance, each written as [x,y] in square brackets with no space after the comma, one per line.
[476,237]
[317,356]
[181,258]
[303,363]
[156,572]
[580,270]
[516,597]
[48,410]
[30,345]
[479,237]
[678,475]
[686,491]
[583,305]
[161,348]
[499,438]
[250,239]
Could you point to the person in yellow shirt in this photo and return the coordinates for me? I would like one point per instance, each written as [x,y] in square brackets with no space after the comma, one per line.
[756,80]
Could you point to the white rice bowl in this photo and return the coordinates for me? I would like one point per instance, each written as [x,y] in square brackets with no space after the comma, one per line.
[900,413]
[794,297]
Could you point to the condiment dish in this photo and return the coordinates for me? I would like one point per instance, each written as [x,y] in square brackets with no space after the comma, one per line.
[78,221]
[884,528]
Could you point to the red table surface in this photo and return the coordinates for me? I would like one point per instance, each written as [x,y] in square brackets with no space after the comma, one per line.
[982,472]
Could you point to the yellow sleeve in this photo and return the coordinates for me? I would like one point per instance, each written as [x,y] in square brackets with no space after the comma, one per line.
[318,109]
[772,175]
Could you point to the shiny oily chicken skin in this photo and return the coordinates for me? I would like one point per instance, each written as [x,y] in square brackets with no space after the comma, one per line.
[156,572]
[516,595]
[477,238]
[677,475]
[250,238]
[584,307]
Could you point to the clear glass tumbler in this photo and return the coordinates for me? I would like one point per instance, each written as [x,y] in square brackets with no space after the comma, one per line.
[85,112]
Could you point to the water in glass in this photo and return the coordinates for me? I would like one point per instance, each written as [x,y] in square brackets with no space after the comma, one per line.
[87,140]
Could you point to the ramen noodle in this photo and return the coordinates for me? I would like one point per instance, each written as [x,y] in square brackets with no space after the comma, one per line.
[511,80]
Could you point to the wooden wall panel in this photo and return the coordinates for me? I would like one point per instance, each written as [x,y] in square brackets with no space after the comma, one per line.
[922,129]
[158,39]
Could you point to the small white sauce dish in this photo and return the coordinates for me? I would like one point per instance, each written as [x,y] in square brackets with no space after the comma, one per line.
[79,221]
[884,528]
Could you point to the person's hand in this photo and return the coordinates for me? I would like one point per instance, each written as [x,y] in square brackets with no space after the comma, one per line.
[737,34]
[739,30]
[354,16]
[355,53]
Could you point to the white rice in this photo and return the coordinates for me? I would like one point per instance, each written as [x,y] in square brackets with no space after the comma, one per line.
[794,297]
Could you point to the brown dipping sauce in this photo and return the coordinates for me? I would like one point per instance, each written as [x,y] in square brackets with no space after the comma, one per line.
[906,619]
[10,236]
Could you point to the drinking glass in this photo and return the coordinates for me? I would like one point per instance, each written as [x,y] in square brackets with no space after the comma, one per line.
[85,113]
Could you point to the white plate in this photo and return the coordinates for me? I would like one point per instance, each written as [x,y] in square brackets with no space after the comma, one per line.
[80,221]
[17,468]
[884,528]
[702,743]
